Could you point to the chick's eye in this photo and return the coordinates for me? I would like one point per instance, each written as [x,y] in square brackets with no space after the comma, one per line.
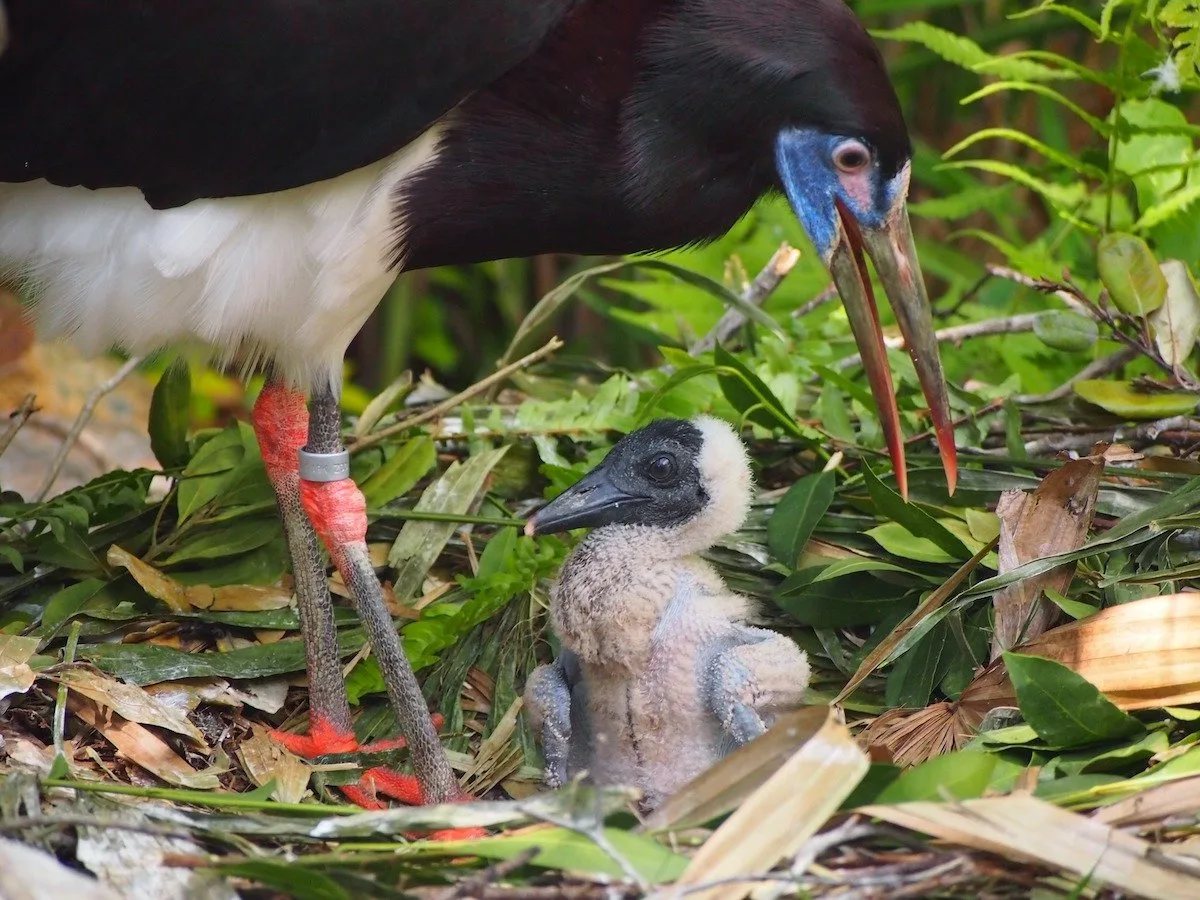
[661,469]
[851,156]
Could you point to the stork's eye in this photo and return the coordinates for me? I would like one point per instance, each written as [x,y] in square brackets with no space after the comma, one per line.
[661,469]
[851,156]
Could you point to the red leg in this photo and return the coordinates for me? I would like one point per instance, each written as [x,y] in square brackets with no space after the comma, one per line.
[281,423]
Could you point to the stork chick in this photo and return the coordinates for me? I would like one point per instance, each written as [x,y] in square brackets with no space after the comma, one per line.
[660,676]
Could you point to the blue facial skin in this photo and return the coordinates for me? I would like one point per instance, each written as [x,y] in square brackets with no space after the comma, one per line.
[811,181]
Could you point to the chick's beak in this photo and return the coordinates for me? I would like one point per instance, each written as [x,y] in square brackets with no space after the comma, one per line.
[894,254]
[593,501]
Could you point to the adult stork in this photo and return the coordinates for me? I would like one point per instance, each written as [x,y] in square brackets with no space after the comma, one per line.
[250,175]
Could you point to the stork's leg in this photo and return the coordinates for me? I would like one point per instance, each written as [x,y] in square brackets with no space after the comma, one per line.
[338,513]
[747,685]
[281,424]
[548,700]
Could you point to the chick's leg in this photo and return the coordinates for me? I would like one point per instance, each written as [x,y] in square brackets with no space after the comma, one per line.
[548,699]
[337,510]
[747,685]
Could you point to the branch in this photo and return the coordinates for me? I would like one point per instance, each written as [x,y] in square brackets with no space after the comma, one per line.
[85,415]
[360,443]
[1097,369]
[755,294]
[18,418]
[956,334]
[1143,433]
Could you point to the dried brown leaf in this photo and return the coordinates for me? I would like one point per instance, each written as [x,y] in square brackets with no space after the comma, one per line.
[1142,655]
[909,737]
[142,746]
[1024,827]
[264,759]
[1052,519]
[182,598]
[130,702]
[16,677]
[776,820]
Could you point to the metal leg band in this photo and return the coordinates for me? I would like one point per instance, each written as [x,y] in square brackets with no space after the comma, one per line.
[324,466]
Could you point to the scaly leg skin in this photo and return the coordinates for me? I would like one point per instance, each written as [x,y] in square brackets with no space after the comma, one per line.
[548,699]
[337,510]
[281,424]
[749,683]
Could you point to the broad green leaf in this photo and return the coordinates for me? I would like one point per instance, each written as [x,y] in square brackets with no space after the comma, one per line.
[961,775]
[67,602]
[210,470]
[575,852]
[1073,608]
[1131,274]
[420,543]
[984,526]
[1063,707]
[797,514]
[899,541]
[1176,323]
[409,464]
[170,414]
[913,519]
[750,396]
[1122,398]
[226,539]
[149,663]
[1065,330]
[912,679]
[299,882]
[844,603]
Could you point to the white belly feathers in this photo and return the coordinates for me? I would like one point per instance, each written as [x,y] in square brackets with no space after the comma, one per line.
[288,277]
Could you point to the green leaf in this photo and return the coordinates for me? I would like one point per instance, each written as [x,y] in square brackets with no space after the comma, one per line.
[963,775]
[67,602]
[420,543]
[842,603]
[1122,398]
[299,882]
[899,541]
[911,682]
[170,414]
[210,470]
[149,663]
[569,850]
[396,477]
[750,396]
[913,519]
[797,514]
[1130,274]
[1063,707]
[227,539]
[1073,608]
[1065,330]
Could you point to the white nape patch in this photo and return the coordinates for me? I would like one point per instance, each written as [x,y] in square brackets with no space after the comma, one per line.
[725,468]
[288,277]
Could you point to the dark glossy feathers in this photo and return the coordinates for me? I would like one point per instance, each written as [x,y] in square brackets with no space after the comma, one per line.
[210,98]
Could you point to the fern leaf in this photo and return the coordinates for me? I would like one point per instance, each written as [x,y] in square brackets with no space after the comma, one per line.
[1066,160]
[1169,208]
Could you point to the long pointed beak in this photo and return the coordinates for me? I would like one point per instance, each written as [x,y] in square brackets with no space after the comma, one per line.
[591,502]
[894,254]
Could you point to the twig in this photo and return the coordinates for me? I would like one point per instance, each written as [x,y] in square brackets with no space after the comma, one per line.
[85,415]
[764,284]
[957,333]
[1077,300]
[18,418]
[473,886]
[1147,431]
[1097,369]
[360,443]
[826,296]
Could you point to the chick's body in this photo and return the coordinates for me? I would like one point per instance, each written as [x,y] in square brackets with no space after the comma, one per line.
[660,676]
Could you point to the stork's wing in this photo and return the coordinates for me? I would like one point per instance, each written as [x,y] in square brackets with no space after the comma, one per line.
[214,98]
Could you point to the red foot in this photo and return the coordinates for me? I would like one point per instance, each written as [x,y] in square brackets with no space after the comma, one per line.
[323,739]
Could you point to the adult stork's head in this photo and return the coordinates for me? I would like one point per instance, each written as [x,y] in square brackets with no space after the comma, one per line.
[796,92]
